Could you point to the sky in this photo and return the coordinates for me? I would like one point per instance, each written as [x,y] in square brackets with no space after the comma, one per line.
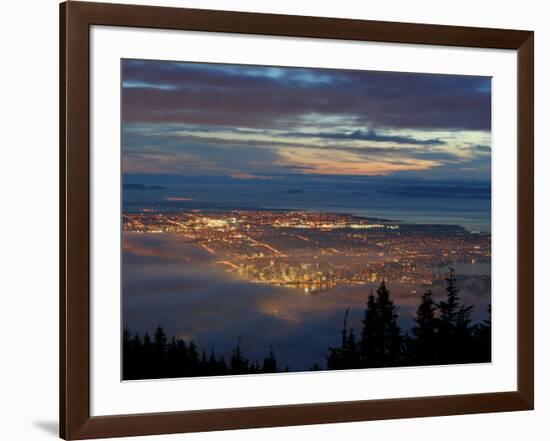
[259,122]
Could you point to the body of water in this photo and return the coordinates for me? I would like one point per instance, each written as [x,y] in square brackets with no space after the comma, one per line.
[466,203]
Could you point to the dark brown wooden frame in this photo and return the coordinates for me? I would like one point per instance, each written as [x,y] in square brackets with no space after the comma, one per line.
[75,21]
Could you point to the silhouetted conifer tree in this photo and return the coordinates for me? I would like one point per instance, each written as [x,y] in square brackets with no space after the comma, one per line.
[270,362]
[239,364]
[128,355]
[345,356]
[482,336]
[350,352]
[222,367]
[159,352]
[203,363]
[147,356]
[193,359]
[454,337]
[449,308]
[173,368]
[159,343]
[212,366]
[381,343]
[424,347]
[370,334]
[391,333]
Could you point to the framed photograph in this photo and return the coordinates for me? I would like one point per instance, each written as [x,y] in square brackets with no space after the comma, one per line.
[273,220]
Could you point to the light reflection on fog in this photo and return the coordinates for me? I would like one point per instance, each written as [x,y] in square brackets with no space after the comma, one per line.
[170,282]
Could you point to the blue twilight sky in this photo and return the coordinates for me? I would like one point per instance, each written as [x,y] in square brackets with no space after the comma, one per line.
[254,122]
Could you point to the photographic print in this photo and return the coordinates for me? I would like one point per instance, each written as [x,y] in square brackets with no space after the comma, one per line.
[288,219]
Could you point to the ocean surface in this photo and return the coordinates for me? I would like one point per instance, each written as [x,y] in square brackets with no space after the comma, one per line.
[446,202]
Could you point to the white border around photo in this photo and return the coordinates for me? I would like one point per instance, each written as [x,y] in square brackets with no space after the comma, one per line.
[109,395]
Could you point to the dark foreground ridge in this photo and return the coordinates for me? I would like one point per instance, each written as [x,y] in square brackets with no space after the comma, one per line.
[443,334]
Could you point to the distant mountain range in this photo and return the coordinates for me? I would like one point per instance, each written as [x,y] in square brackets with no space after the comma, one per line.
[142,187]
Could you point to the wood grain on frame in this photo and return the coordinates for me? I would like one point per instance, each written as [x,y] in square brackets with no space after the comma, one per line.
[75,21]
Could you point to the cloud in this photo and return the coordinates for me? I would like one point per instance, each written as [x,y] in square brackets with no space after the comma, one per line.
[175,149]
[255,121]
[255,96]
[249,176]
[482,149]
[177,199]
[371,135]
[325,162]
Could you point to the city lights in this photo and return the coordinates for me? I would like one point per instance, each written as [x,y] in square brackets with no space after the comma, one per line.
[318,251]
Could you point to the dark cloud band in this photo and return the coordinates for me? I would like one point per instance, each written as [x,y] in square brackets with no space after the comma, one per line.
[191,93]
